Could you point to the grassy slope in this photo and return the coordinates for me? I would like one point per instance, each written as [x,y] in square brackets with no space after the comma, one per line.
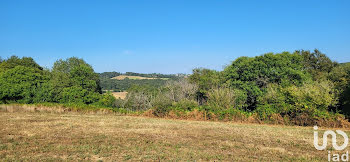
[51,136]
[121,77]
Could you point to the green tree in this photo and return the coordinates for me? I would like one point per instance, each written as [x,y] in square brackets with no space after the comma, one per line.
[108,100]
[72,75]
[19,84]
[340,76]
[226,98]
[316,63]
[253,74]
[76,94]
[206,79]
[14,61]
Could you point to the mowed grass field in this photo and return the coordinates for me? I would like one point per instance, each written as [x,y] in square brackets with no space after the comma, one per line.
[37,136]
[120,95]
[122,77]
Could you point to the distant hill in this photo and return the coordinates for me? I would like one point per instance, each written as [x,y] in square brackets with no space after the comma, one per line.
[139,75]
[109,74]
[120,82]
[345,63]
[122,77]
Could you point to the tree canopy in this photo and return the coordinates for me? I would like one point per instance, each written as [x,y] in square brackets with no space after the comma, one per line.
[70,81]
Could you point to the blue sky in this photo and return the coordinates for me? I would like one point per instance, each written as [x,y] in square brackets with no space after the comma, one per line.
[170,36]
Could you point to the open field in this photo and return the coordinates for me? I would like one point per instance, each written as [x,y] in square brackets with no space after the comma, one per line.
[117,95]
[37,136]
[120,95]
[122,77]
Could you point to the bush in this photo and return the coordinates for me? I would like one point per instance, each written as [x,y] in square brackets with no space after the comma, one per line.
[107,100]
[185,105]
[274,99]
[313,95]
[340,76]
[161,104]
[180,89]
[311,99]
[264,112]
[78,95]
[119,103]
[226,98]
[137,101]
[19,84]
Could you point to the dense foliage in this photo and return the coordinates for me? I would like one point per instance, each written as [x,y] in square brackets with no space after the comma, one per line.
[69,81]
[108,75]
[303,88]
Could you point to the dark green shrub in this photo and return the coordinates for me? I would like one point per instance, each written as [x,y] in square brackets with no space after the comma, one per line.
[107,100]
[78,95]
[19,84]
[264,112]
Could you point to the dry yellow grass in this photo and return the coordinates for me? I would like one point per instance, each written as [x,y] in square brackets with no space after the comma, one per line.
[120,95]
[38,136]
[122,77]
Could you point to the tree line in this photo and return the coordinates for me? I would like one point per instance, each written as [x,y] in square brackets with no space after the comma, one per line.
[301,87]
[71,81]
